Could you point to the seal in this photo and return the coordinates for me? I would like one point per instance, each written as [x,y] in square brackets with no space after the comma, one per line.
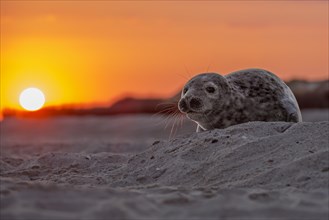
[216,101]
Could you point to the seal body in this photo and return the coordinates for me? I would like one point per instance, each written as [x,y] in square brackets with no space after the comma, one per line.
[215,101]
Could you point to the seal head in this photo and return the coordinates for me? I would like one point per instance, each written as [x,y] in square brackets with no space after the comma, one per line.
[202,96]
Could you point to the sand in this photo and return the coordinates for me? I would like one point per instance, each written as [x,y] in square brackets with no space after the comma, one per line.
[128,168]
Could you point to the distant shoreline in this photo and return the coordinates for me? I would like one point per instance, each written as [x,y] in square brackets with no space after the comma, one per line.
[310,95]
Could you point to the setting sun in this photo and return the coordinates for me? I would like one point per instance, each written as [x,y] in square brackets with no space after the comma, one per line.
[32,99]
[93,53]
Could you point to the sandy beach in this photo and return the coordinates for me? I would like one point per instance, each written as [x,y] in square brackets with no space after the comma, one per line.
[95,98]
[138,167]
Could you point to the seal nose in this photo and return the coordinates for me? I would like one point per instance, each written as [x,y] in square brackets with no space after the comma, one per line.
[182,105]
[195,103]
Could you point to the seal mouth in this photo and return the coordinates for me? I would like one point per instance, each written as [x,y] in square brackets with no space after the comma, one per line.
[207,112]
[194,114]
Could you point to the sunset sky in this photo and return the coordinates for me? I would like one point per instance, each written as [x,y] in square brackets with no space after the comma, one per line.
[99,51]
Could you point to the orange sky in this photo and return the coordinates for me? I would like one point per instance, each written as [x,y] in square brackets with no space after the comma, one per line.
[97,51]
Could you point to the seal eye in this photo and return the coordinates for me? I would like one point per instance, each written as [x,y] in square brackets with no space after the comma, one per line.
[210,89]
[185,90]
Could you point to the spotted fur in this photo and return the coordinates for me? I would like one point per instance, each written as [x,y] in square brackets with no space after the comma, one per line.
[216,101]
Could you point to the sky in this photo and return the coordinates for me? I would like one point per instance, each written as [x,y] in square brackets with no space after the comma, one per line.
[96,52]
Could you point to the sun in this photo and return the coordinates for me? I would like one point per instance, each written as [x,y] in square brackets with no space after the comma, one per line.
[32,99]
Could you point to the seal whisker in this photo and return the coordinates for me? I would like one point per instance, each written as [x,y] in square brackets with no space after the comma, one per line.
[170,118]
[207,70]
[181,118]
[187,71]
[165,119]
[174,130]
[184,77]
[166,111]
[166,103]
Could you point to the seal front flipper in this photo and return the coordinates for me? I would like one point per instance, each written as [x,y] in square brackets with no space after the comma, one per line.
[199,129]
[293,114]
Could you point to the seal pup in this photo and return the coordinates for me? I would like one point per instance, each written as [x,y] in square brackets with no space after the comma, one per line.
[215,101]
